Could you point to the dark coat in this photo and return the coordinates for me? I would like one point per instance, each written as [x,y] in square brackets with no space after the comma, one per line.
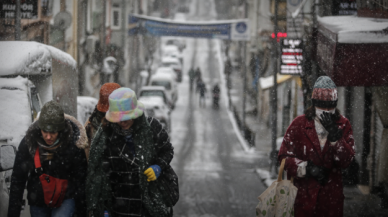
[301,144]
[149,151]
[69,162]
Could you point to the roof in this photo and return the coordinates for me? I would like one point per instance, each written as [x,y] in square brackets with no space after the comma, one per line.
[151,101]
[353,29]
[162,76]
[153,88]
[170,59]
[18,82]
[28,57]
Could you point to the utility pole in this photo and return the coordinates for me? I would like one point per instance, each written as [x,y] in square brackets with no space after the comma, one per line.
[17,21]
[274,92]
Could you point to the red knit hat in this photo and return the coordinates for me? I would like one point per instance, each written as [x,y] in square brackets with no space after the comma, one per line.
[105,91]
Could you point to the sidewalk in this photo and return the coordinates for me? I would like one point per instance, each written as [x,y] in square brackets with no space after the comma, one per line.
[356,203]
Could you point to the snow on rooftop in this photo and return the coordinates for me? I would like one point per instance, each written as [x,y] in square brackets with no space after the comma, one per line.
[28,57]
[353,29]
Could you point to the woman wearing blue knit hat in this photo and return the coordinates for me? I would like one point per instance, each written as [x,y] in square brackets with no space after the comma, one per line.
[317,146]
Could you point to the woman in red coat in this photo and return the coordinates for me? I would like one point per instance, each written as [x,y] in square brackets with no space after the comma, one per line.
[317,146]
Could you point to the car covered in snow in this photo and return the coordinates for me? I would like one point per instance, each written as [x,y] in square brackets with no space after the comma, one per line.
[172,51]
[157,108]
[19,108]
[167,70]
[85,107]
[158,91]
[175,64]
[168,82]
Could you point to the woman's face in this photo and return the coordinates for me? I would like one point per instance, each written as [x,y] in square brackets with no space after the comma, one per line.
[125,125]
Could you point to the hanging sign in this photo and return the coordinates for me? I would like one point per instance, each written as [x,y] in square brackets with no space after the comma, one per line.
[236,30]
[28,9]
[291,56]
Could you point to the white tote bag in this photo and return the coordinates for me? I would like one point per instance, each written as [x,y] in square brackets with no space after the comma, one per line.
[278,200]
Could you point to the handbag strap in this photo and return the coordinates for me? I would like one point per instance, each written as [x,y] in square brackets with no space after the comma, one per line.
[281,170]
[37,162]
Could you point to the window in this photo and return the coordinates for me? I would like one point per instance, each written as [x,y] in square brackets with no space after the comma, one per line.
[116,18]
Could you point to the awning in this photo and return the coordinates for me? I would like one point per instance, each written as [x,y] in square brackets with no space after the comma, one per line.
[353,50]
[267,82]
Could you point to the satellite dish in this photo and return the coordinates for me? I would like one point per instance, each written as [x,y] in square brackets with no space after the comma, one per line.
[62,20]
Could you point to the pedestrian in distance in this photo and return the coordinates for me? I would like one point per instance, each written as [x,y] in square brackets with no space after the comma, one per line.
[52,161]
[192,75]
[201,89]
[317,146]
[216,96]
[198,74]
[128,157]
[94,121]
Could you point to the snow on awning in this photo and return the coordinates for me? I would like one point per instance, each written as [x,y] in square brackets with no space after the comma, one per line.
[25,57]
[353,29]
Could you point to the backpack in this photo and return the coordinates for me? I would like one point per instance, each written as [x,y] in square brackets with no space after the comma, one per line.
[168,179]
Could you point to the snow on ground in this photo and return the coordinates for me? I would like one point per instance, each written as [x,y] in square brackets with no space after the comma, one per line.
[15,109]
[27,57]
[353,29]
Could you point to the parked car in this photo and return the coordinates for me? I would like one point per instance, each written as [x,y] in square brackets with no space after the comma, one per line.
[175,64]
[156,107]
[19,108]
[168,82]
[180,43]
[156,91]
[167,70]
[172,51]
[85,107]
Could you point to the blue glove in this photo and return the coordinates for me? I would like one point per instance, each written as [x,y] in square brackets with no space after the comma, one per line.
[153,172]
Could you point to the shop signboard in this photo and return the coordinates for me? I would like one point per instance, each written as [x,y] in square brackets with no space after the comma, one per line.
[28,9]
[291,56]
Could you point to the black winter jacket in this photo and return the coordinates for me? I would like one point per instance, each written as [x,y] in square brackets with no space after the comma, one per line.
[69,162]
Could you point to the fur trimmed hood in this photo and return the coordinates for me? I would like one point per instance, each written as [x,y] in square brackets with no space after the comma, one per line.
[32,136]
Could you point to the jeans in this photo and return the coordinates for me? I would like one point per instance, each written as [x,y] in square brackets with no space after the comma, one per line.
[65,210]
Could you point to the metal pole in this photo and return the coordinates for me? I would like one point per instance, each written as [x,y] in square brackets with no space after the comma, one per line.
[274,91]
[244,87]
[17,21]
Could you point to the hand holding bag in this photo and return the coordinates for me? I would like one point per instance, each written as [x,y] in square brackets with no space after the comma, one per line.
[278,200]
[54,189]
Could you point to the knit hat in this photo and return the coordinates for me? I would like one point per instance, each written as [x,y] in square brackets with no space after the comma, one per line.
[325,93]
[52,117]
[105,91]
[123,106]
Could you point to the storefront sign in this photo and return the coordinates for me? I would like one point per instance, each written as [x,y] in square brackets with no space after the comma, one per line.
[291,56]
[344,7]
[28,9]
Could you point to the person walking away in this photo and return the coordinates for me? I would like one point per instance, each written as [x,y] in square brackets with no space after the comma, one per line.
[198,74]
[128,161]
[216,96]
[192,78]
[317,146]
[52,161]
[201,89]
[94,121]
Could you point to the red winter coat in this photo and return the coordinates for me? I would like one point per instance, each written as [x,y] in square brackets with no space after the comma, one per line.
[301,143]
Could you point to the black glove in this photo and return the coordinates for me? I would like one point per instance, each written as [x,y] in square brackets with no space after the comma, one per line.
[327,122]
[321,174]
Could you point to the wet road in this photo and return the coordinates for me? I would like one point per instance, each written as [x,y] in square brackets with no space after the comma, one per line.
[216,176]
